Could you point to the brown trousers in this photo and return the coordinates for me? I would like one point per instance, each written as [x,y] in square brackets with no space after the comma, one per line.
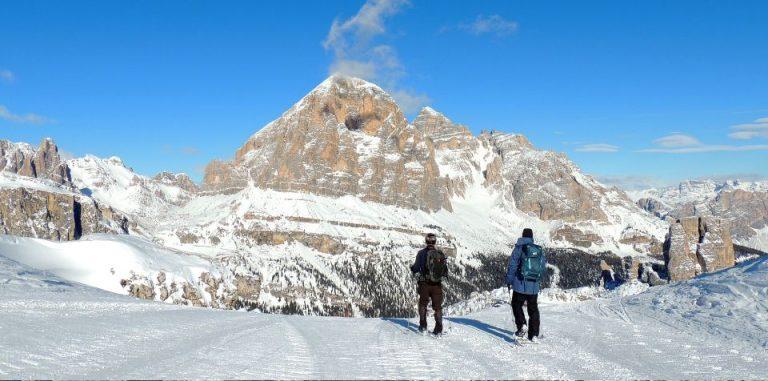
[433,292]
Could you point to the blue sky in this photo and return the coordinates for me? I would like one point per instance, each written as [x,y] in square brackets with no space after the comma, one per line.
[633,92]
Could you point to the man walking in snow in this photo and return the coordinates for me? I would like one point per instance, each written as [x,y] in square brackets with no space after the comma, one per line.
[431,267]
[527,267]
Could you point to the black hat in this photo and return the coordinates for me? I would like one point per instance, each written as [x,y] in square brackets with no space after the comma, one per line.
[528,233]
[430,239]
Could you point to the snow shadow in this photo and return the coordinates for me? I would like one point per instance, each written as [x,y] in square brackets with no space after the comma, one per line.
[403,323]
[501,333]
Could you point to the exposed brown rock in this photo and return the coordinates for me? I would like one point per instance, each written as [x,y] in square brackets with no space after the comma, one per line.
[697,245]
[141,291]
[191,295]
[45,162]
[543,183]
[575,236]
[55,216]
[321,242]
[347,137]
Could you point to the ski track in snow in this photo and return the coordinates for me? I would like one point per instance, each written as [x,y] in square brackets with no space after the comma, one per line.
[50,328]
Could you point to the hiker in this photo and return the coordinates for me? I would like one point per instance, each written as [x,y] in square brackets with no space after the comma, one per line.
[527,267]
[431,267]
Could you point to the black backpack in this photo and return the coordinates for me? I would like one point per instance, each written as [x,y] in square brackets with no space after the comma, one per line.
[436,268]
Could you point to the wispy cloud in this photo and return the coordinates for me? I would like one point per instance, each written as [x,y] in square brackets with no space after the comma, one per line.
[709,148]
[756,129]
[492,24]
[357,52]
[597,147]
[677,140]
[29,118]
[682,143]
[7,75]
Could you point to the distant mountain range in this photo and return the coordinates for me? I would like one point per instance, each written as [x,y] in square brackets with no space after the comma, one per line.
[743,203]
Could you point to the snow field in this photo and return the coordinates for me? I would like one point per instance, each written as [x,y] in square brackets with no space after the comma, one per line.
[57,329]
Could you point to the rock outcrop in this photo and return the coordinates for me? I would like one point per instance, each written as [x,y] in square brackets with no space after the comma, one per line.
[43,163]
[697,245]
[55,216]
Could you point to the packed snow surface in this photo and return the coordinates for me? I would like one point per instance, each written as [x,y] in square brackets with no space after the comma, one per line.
[714,326]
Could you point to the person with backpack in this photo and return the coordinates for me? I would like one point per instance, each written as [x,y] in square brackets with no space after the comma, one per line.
[527,266]
[432,268]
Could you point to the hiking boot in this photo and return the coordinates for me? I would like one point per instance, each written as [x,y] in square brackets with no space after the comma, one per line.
[438,330]
[533,339]
[521,332]
[422,328]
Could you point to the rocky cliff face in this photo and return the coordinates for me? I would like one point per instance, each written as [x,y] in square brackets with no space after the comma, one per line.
[697,245]
[24,160]
[39,199]
[347,137]
[743,204]
[55,216]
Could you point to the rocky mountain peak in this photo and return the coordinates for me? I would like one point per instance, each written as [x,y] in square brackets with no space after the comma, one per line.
[43,162]
[179,180]
[437,126]
[346,137]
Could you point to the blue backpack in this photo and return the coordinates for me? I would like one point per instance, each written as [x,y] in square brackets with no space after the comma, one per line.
[532,266]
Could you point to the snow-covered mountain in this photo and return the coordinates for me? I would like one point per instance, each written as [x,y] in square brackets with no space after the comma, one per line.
[743,203]
[322,210]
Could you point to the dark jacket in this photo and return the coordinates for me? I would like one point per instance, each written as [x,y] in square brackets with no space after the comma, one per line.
[420,266]
[513,276]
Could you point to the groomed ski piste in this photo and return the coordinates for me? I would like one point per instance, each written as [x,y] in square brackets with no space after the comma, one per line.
[715,326]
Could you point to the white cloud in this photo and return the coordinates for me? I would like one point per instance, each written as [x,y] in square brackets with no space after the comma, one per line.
[493,24]
[7,75]
[356,53]
[677,140]
[354,68]
[708,148]
[597,147]
[756,129]
[26,118]
[682,143]
[410,102]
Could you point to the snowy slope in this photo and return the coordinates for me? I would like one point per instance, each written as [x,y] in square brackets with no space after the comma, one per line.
[51,328]
[102,260]
[111,183]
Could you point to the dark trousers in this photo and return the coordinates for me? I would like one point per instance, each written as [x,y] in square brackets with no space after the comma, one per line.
[430,292]
[532,303]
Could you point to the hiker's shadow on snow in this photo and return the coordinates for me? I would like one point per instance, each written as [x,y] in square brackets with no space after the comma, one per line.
[501,333]
[403,323]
